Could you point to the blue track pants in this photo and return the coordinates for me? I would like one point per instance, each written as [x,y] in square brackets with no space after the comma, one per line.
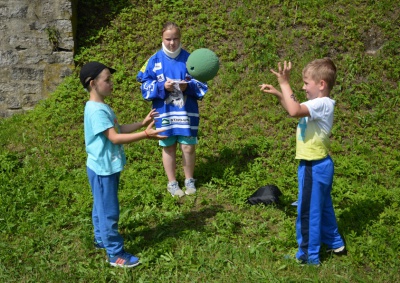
[316,221]
[105,213]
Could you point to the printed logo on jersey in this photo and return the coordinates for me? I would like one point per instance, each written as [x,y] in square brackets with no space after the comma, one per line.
[160,78]
[157,66]
[165,122]
[149,88]
[183,120]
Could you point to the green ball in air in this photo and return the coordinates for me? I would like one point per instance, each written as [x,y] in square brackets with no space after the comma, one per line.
[203,64]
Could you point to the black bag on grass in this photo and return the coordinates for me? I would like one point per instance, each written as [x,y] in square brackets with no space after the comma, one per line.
[267,195]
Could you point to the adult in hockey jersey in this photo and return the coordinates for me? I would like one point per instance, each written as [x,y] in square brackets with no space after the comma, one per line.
[174,93]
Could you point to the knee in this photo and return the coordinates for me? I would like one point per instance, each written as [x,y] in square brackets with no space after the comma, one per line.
[170,149]
[188,148]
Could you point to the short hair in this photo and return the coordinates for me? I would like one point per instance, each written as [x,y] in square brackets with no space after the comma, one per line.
[322,69]
[170,25]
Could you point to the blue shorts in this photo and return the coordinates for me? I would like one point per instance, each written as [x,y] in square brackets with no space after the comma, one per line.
[180,139]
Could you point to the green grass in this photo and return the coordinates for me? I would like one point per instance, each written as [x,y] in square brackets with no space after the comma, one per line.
[246,141]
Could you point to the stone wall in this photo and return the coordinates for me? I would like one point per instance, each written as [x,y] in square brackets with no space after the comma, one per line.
[36,50]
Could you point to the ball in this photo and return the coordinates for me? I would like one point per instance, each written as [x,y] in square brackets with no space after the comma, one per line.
[203,64]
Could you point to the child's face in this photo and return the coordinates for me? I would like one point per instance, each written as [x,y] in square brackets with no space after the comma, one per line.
[103,83]
[311,87]
[171,39]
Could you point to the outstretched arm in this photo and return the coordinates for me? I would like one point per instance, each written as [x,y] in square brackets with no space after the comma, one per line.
[286,97]
[129,128]
[124,138]
[271,89]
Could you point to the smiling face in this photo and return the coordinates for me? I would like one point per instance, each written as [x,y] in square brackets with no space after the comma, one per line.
[171,39]
[312,88]
[319,77]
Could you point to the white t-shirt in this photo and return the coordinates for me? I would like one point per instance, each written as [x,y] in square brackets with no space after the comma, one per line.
[312,137]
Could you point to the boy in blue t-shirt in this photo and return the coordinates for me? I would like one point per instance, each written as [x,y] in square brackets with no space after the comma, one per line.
[104,137]
[316,221]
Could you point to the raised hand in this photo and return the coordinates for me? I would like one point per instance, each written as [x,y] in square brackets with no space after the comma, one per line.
[270,89]
[283,73]
[150,117]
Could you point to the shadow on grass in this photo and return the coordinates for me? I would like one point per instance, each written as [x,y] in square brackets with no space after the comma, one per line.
[357,216]
[174,228]
[215,165]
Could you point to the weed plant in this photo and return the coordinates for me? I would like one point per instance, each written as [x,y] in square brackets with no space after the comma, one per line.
[246,141]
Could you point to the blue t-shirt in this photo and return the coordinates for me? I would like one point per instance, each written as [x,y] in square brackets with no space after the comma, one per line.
[104,157]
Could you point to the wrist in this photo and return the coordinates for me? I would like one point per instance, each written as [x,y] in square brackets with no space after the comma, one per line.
[147,135]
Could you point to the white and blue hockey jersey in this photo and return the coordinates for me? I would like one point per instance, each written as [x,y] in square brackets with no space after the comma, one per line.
[179,112]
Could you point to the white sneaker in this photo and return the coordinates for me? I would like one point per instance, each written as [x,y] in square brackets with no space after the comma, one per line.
[339,251]
[190,187]
[173,188]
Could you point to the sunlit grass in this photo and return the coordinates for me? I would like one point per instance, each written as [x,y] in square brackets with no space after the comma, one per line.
[246,141]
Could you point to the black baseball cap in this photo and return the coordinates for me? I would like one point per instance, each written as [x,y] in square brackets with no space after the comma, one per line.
[91,70]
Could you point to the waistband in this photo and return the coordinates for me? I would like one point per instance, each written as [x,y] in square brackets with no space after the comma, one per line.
[314,162]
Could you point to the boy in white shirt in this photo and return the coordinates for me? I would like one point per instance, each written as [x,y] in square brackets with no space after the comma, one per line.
[316,221]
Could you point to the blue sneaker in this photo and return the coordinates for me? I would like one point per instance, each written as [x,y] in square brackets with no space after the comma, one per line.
[123,259]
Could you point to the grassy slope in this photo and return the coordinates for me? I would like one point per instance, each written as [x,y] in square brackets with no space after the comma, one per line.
[246,140]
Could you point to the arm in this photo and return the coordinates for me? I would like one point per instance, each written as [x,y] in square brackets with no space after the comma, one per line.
[286,97]
[125,138]
[271,89]
[129,128]
[196,89]
[150,87]
[192,88]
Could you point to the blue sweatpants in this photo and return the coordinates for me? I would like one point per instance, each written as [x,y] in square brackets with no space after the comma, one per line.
[105,213]
[316,221]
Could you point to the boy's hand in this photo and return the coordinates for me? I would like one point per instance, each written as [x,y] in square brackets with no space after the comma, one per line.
[154,133]
[150,117]
[283,73]
[270,89]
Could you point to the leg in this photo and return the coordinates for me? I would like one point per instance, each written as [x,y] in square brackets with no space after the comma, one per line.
[169,161]
[188,159]
[330,232]
[303,211]
[308,223]
[106,210]
[95,217]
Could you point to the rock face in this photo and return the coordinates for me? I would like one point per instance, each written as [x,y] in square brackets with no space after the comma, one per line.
[36,50]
